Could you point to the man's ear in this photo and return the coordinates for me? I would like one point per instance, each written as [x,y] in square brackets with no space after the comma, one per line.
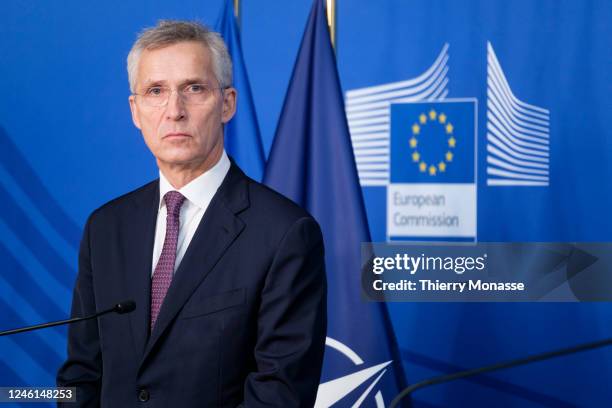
[229,104]
[134,109]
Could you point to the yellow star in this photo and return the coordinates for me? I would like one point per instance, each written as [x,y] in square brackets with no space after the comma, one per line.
[442,167]
[432,114]
[449,128]
[422,167]
[452,142]
[449,157]
[423,118]
[416,157]
[413,142]
[432,170]
[442,118]
[416,129]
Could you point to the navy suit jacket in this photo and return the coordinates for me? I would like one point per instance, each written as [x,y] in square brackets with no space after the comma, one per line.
[244,319]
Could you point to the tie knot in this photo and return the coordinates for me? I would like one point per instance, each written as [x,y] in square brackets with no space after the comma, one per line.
[174,200]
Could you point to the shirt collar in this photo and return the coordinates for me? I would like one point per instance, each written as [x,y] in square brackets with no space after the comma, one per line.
[200,190]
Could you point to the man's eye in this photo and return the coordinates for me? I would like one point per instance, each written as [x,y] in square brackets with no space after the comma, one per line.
[155,91]
[195,88]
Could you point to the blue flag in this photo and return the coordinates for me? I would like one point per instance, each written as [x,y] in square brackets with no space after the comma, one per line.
[242,138]
[312,163]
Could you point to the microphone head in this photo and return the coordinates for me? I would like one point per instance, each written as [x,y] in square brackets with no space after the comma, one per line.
[125,307]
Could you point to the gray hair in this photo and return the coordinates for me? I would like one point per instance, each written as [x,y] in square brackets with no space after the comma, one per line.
[168,32]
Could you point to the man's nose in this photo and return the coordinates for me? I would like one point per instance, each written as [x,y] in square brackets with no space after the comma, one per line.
[175,109]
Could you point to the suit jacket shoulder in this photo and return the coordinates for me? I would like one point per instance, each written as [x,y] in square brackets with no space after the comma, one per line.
[146,195]
[264,209]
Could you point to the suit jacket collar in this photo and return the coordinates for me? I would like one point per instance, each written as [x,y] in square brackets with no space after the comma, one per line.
[219,227]
[137,245]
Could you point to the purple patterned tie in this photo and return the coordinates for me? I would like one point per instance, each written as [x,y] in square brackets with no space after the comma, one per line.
[164,270]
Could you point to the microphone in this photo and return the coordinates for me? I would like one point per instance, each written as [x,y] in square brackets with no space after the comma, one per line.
[120,308]
[124,307]
[499,366]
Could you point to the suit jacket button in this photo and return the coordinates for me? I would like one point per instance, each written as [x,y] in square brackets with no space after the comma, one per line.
[143,395]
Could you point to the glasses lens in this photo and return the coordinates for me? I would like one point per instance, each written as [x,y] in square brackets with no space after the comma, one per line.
[196,94]
[155,96]
[193,94]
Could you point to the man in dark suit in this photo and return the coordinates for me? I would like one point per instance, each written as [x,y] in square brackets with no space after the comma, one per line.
[227,275]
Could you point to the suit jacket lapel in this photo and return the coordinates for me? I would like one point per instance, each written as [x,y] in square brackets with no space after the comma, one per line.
[217,230]
[139,235]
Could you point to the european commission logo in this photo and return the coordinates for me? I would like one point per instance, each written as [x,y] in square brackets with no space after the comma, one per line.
[432,188]
[409,137]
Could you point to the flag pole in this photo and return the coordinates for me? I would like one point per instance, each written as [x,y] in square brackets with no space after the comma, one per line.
[237,12]
[331,21]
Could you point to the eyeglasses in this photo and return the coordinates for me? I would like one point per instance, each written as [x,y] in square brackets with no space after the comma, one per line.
[192,94]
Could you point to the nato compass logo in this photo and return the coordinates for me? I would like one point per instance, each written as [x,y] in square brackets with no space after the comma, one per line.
[333,391]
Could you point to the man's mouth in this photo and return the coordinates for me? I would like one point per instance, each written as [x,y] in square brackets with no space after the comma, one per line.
[173,135]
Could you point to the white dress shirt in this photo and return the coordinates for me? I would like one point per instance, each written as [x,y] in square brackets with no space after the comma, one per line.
[198,195]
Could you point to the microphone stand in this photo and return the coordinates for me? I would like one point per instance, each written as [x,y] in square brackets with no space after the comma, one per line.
[119,308]
[499,366]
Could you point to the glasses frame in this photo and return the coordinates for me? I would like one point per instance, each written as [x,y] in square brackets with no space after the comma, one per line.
[181,95]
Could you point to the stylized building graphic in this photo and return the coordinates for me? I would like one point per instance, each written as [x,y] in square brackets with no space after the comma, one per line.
[518,134]
[368,114]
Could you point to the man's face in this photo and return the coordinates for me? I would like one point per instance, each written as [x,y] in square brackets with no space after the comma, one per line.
[180,134]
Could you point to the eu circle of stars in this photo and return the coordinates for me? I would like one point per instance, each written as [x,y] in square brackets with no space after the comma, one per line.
[421,130]
[433,142]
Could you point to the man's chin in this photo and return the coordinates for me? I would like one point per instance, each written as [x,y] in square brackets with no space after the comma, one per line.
[175,160]
[180,160]
[181,156]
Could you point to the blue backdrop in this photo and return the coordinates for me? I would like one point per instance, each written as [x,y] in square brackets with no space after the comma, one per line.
[537,69]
